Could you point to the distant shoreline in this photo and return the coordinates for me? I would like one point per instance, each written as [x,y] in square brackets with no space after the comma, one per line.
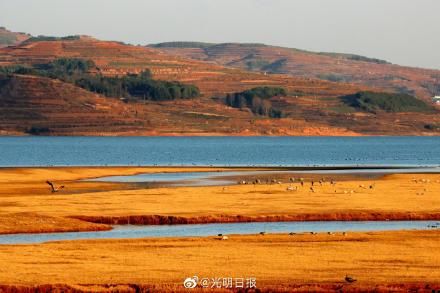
[243,168]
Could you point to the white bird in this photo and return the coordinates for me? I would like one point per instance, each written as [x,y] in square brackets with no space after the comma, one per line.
[291,188]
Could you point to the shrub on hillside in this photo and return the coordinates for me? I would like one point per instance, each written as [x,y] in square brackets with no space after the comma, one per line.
[134,86]
[257,99]
[389,102]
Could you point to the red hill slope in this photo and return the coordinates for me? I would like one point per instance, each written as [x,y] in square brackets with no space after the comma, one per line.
[350,68]
[312,106]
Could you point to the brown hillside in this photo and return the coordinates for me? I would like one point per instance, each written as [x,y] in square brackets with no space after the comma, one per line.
[312,106]
[361,70]
[8,38]
[28,102]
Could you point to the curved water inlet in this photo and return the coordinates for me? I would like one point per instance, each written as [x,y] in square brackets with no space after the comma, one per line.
[202,230]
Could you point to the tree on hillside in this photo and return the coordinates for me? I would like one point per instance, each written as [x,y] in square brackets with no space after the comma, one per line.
[133,86]
[257,100]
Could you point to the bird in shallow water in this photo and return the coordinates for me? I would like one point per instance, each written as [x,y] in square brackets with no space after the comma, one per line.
[53,187]
[349,279]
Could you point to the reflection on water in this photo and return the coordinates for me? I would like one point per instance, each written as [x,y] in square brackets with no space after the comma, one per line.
[125,232]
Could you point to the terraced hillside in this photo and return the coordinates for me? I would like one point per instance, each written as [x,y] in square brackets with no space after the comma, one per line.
[311,106]
[32,104]
[423,83]
[37,105]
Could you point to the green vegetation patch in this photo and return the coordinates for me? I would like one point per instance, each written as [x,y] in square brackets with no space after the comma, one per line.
[41,38]
[432,127]
[389,102]
[355,57]
[276,66]
[183,45]
[257,100]
[131,86]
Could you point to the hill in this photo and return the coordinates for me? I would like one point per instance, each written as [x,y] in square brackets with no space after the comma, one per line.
[335,67]
[55,107]
[8,38]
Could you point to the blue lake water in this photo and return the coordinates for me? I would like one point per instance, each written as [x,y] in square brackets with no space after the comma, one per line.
[126,232]
[220,151]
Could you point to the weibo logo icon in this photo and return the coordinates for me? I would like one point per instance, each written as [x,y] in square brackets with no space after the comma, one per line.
[190,283]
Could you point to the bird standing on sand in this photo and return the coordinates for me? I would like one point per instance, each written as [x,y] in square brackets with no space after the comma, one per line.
[291,188]
[349,279]
[53,187]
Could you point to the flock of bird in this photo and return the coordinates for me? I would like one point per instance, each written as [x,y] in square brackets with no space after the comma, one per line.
[349,279]
[302,182]
[423,181]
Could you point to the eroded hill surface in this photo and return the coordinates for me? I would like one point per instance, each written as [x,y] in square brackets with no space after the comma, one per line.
[311,106]
[423,83]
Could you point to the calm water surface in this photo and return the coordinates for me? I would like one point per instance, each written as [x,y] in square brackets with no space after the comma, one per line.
[220,151]
[125,232]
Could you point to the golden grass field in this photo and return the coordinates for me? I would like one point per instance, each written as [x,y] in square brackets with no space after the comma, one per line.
[393,197]
[396,260]
[274,260]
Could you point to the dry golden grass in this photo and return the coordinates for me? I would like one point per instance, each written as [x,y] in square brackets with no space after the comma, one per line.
[282,260]
[25,191]
[35,223]
[277,261]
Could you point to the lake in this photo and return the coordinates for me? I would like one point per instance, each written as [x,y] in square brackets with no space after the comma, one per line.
[219,151]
